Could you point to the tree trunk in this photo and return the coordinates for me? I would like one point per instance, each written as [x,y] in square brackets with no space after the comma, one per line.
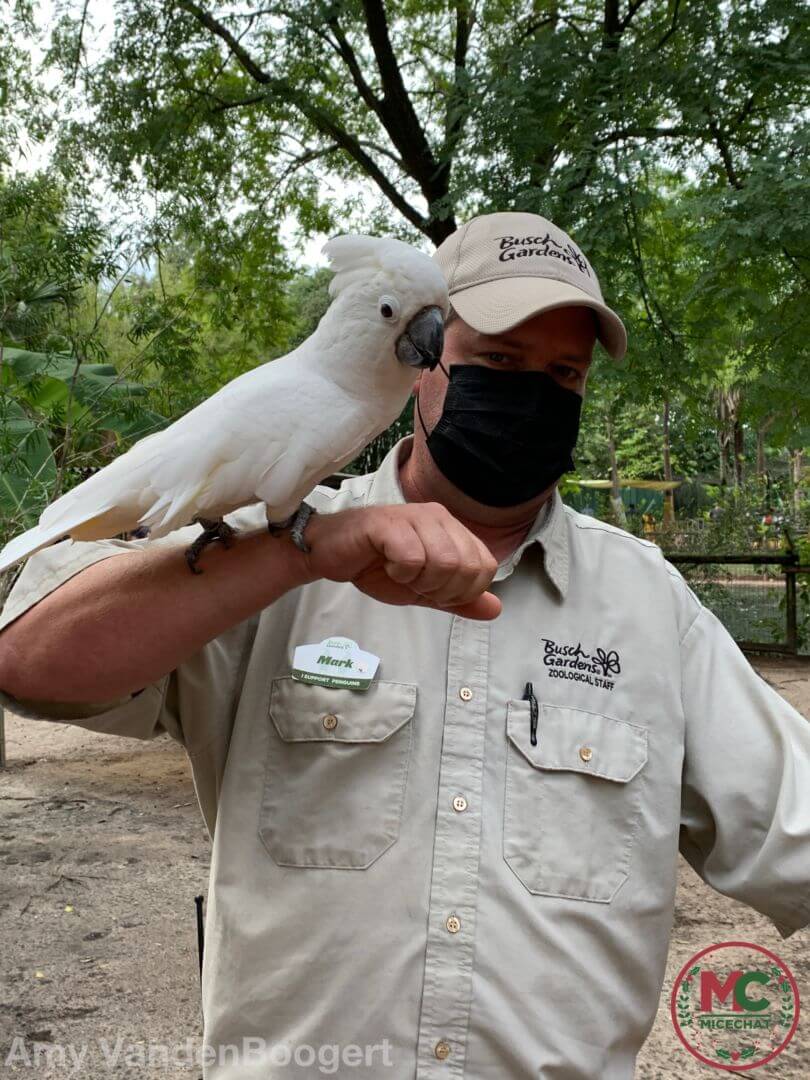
[739,451]
[730,435]
[796,457]
[667,459]
[616,504]
[722,437]
[762,465]
[669,496]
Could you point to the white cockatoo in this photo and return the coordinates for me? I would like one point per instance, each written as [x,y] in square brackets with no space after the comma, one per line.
[273,433]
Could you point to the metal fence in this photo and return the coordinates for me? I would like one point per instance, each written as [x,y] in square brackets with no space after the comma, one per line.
[753,595]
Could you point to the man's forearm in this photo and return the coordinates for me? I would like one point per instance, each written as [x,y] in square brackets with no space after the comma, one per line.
[126,621]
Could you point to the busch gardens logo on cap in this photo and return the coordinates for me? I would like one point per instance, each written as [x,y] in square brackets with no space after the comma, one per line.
[735,1005]
[517,247]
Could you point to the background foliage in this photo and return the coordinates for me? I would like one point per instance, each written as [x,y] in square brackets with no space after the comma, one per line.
[142,263]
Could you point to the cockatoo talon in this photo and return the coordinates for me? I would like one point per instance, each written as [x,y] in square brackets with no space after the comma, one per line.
[276,528]
[300,519]
[215,529]
[296,523]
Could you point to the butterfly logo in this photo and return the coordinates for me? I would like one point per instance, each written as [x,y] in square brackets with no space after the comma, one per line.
[608,661]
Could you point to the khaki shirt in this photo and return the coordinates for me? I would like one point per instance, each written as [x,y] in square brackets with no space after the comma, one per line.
[418,882]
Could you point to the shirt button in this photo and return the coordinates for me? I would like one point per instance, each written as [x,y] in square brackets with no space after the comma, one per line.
[442,1050]
[453,924]
[585,753]
[459,804]
[330,722]
[465,693]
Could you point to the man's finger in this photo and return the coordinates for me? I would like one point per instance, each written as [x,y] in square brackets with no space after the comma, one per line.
[403,551]
[446,574]
[485,606]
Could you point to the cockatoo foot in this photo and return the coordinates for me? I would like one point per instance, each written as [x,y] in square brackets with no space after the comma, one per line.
[296,523]
[278,527]
[212,530]
[300,519]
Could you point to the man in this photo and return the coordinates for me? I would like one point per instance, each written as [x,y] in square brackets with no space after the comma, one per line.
[466,869]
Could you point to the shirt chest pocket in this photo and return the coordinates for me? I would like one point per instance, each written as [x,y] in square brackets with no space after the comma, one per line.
[573,802]
[337,765]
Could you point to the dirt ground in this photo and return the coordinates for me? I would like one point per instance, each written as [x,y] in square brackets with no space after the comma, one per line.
[102,853]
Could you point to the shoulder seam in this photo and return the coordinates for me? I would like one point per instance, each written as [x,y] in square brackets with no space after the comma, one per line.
[675,574]
[691,625]
[599,527]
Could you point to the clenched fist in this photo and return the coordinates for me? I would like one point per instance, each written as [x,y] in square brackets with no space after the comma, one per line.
[416,553]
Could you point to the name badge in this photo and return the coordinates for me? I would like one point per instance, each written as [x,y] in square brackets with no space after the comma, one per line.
[335,661]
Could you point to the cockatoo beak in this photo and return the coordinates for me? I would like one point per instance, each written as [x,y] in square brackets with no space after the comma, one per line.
[421,343]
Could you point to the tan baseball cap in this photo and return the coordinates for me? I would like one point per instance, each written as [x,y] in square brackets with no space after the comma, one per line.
[506,267]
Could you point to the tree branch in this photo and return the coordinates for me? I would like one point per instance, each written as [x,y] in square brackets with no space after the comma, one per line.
[678,132]
[457,112]
[537,24]
[349,57]
[320,118]
[673,26]
[299,160]
[223,106]
[745,111]
[222,31]
[401,120]
[78,58]
[611,24]
[721,143]
[632,9]
[383,150]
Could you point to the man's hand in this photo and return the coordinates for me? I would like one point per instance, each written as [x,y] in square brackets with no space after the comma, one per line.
[416,553]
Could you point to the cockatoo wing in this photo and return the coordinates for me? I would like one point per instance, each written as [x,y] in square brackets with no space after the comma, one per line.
[250,441]
[205,463]
[273,433]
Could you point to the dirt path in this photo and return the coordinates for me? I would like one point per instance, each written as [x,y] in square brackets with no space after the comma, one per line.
[704,917]
[102,851]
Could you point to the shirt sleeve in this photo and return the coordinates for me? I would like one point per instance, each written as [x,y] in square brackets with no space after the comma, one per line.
[144,714]
[745,797]
[193,703]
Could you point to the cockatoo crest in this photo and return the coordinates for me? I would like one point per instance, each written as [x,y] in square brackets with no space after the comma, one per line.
[352,257]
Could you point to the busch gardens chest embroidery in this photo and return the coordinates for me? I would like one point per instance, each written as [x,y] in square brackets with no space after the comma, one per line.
[570,661]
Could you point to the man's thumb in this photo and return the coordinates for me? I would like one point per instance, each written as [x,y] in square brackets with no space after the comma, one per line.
[485,606]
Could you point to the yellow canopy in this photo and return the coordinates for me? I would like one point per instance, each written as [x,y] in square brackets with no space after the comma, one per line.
[647,485]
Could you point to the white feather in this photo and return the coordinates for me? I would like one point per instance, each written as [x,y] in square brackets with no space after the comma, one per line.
[272,433]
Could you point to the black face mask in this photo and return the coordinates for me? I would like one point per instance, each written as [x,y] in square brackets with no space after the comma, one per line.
[504,436]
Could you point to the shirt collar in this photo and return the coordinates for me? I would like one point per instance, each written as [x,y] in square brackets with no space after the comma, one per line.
[549,528]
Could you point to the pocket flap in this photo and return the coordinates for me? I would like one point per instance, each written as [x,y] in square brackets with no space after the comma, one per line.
[306,712]
[578,740]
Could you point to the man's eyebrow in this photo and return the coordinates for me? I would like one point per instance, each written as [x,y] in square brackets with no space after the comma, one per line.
[487,341]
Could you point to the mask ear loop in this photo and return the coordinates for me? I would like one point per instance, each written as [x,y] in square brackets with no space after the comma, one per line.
[418,408]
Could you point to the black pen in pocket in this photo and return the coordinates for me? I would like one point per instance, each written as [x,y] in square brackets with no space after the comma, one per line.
[528,695]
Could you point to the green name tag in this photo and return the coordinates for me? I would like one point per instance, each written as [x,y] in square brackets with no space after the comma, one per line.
[335,661]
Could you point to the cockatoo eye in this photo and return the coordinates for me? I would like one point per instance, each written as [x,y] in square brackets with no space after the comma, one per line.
[389,308]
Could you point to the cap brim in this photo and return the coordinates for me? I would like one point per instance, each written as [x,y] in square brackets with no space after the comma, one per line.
[493,307]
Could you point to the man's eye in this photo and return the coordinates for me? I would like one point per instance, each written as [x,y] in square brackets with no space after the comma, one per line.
[498,357]
[568,372]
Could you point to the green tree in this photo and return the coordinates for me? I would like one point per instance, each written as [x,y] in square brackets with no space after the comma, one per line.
[670,139]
